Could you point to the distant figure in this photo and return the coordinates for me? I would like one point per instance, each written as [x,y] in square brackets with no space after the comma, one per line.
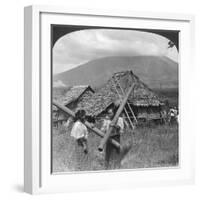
[173,115]
[79,130]
[68,124]
[163,114]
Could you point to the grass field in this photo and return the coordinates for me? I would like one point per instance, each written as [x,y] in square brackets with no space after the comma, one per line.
[152,146]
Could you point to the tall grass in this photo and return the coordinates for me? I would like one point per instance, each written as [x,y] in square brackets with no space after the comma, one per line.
[151,147]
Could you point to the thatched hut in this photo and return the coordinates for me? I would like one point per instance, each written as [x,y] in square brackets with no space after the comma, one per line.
[76,95]
[143,101]
[72,99]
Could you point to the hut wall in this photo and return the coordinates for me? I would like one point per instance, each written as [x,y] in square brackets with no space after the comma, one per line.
[148,112]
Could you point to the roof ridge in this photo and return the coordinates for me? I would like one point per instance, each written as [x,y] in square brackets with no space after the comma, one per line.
[122,72]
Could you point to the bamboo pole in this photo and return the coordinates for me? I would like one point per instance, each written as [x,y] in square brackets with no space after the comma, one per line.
[114,121]
[88,125]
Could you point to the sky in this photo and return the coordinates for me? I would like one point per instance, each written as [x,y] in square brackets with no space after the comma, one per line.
[79,47]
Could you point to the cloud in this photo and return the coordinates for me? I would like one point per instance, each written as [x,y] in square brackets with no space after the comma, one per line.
[82,46]
[58,83]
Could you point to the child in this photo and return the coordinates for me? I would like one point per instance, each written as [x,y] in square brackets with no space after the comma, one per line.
[106,124]
[79,130]
[111,152]
[119,127]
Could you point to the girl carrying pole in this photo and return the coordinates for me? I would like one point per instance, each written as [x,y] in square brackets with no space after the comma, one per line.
[113,155]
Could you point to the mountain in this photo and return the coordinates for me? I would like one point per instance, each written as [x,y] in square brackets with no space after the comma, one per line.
[156,72]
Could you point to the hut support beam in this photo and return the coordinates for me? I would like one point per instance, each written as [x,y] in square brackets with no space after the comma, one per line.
[124,106]
[127,103]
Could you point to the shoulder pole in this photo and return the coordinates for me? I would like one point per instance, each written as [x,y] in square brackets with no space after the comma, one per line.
[88,125]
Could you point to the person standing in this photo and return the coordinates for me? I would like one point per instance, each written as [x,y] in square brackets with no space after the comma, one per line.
[79,130]
[113,155]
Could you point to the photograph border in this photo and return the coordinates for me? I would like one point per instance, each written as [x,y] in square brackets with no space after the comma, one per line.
[33,76]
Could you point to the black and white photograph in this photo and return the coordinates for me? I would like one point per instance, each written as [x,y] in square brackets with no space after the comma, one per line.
[114,98]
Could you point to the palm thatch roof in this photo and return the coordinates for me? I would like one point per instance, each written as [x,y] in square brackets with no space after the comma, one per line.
[114,90]
[73,94]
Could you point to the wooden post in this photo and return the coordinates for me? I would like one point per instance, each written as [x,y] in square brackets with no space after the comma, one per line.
[114,121]
[88,125]
[126,112]
[128,104]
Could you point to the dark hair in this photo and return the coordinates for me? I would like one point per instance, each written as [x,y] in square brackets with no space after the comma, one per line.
[90,119]
[79,115]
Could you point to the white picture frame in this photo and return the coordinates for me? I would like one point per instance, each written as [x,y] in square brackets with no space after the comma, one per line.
[37,174]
